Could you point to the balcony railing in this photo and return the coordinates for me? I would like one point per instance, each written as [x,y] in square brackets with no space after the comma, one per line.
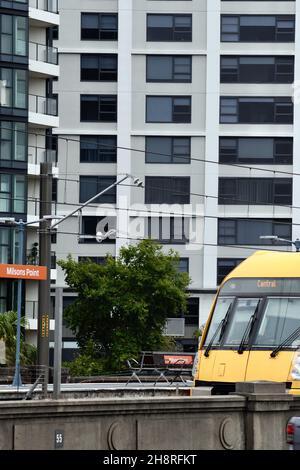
[43,53]
[31,309]
[37,156]
[43,105]
[45,5]
[33,258]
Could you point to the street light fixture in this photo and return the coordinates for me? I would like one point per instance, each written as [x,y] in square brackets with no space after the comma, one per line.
[275,238]
[10,221]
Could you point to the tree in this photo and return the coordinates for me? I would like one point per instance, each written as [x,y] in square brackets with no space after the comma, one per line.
[8,334]
[123,304]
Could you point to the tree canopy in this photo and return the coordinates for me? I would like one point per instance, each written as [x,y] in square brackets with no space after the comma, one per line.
[123,304]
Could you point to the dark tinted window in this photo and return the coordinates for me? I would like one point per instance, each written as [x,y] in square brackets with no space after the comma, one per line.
[255,191]
[99,26]
[169,27]
[268,150]
[168,190]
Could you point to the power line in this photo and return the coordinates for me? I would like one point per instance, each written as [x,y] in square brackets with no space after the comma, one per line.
[125,237]
[202,160]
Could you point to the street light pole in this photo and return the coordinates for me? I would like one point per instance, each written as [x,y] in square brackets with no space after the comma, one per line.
[59,296]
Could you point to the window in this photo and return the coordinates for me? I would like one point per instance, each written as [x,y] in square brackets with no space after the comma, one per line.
[99,26]
[14,4]
[256,110]
[13,88]
[260,150]
[98,108]
[99,67]
[248,232]
[255,191]
[8,246]
[13,36]
[12,193]
[55,33]
[169,230]
[183,265]
[225,266]
[164,68]
[280,320]
[192,314]
[92,185]
[168,149]
[93,259]
[13,142]
[167,190]
[258,28]
[169,27]
[98,149]
[176,109]
[93,224]
[257,69]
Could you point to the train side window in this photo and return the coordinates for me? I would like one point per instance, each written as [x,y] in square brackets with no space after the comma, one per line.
[280,319]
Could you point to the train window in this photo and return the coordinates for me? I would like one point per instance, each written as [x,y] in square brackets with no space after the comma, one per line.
[243,311]
[280,319]
[222,307]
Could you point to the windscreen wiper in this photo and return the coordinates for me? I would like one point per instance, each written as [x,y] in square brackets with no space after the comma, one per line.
[221,326]
[286,342]
[248,329]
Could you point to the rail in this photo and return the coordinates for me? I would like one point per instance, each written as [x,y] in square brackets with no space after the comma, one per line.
[43,105]
[46,5]
[43,53]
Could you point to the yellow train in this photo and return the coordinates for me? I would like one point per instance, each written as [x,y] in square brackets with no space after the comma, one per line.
[253,330]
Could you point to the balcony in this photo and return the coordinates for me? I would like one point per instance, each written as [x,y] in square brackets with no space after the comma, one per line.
[33,210]
[31,313]
[43,111]
[43,61]
[36,156]
[43,13]
[32,258]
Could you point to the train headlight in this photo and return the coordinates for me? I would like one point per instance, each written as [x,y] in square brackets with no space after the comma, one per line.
[295,372]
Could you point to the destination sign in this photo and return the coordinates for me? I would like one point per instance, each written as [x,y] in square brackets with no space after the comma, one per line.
[20,271]
[262,285]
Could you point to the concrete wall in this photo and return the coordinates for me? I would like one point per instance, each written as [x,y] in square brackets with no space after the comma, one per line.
[254,418]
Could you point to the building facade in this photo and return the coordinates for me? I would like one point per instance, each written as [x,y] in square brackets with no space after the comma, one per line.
[28,113]
[195,98]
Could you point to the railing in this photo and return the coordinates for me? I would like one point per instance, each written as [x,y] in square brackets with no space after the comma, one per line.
[45,5]
[43,105]
[31,309]
[33,258]
[37,156]
[43,53]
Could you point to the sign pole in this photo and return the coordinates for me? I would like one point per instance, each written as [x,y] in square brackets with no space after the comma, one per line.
[17,381]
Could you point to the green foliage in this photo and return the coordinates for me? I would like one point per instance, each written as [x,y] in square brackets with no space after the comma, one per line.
[86,363]
[122,305]
[8,333]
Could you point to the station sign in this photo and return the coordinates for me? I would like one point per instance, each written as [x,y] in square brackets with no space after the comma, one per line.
[23,271]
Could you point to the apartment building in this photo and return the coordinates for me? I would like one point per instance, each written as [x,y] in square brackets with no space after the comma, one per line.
[194,97]
[28,113]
